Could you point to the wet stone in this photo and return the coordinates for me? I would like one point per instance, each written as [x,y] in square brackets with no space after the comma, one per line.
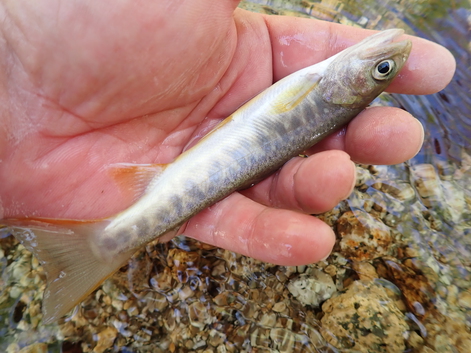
[268,320]
[184,264]
[363,179]
[199,315]
[216,338]
[279,307]
[415,287]
[365,270]
[260,337]
[34,348]
[365,320]
[283,340]
[363,236]
[312,289]
[464,299]
[162,281]
[400,191]
[105,339]
[414,340]
[427,183]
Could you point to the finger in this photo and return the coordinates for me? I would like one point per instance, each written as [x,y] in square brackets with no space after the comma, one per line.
[384,135]
[272,235]
[298,43]
[311,185]
[429,69]
[378,135]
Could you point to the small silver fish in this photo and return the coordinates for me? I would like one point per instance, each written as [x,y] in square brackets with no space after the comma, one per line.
[279,123]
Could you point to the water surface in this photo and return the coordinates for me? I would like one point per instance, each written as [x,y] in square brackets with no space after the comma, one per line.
[399,278]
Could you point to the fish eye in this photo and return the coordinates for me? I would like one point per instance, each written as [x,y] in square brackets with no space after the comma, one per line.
[383,69]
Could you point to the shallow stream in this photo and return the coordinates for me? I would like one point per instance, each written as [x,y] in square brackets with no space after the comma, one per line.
[399,279]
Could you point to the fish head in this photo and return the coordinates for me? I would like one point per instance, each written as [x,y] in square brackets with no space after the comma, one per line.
[361,72]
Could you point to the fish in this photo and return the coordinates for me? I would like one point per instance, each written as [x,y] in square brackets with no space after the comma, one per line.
[257,139]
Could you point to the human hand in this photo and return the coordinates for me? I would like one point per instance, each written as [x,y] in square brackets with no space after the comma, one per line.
[86,85]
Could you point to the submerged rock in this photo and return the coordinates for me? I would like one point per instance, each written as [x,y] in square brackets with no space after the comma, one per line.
[312,289]
[364,319]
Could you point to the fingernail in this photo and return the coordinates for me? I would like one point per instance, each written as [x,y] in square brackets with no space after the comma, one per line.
[352,186]
[422,137]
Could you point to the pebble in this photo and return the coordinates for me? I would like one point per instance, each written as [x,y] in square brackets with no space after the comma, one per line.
[363,237]
[312,289]
[35,348]
[279,307]
[199,315]
[105,339]
[464,299]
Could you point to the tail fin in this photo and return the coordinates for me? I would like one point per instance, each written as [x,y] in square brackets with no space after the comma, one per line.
[72,269]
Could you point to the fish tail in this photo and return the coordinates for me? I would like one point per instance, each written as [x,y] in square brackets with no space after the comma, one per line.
[65,250]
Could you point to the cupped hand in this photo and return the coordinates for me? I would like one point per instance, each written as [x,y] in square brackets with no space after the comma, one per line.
[88,84]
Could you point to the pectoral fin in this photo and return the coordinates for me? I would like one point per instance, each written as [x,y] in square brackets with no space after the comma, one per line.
[291,97]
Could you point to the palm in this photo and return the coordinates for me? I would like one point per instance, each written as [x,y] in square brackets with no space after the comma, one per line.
[114,97]
[137,84]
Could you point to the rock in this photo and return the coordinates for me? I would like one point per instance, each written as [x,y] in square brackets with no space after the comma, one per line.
[199,315]
[364,319]
[464,300]
[105,339]
[312,289]
[427,183]
[35,348]
[364,237]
